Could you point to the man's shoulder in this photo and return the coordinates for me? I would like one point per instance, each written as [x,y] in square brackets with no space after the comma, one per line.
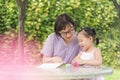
[53,36]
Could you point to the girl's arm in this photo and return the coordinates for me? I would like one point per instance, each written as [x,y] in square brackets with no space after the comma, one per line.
[76,59]
[96,62]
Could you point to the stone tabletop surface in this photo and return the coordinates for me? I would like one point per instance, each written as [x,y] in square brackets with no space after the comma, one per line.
[67,72]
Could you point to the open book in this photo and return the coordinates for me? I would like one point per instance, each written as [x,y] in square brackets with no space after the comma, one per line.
[51,65]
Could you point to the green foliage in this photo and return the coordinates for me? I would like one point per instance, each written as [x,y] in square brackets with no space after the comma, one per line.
[41,14]
[8,18]
[111,50]
[114,76]
[2,13]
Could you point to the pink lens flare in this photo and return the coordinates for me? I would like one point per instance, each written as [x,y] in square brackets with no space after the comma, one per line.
[17,72]
[10,68]
[9,51]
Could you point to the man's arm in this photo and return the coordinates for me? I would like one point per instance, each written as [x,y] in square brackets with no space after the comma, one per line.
[47,59]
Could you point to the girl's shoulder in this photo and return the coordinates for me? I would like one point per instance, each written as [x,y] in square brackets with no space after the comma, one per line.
[97,50]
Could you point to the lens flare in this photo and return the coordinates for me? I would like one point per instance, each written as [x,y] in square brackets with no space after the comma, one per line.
[10,69]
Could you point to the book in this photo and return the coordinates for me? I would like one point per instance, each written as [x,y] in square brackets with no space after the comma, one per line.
[51,65]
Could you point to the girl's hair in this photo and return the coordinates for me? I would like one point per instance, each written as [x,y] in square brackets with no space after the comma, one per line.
[90,32]
[61,22]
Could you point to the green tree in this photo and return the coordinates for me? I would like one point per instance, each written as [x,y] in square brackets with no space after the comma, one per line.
[21,18]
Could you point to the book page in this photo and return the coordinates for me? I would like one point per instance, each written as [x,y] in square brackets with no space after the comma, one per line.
[50,65]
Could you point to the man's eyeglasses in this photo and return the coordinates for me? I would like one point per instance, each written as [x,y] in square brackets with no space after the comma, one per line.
[71,31]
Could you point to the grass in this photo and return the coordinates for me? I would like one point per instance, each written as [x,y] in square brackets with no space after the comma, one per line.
[114,76]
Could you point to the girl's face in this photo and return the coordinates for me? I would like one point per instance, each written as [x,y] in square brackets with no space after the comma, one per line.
[84,42]
[67,34]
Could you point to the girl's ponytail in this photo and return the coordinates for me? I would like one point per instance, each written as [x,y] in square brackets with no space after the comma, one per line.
[97,41]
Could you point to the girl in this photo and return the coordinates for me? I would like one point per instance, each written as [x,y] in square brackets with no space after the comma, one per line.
[90,55]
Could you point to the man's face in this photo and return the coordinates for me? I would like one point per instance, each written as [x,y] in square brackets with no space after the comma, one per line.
[68,33]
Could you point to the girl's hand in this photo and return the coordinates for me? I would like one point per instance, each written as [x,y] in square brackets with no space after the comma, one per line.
[75,64]
[78,63]
[81,62]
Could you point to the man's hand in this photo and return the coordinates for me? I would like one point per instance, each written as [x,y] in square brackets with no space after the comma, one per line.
[52,59]
[56,60]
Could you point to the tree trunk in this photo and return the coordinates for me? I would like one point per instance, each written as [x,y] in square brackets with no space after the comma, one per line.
[21,18]
[117,6]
